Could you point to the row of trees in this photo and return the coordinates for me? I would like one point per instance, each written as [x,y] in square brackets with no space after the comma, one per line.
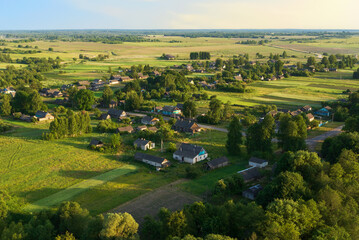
[68,222]
[200,55]
[217,111]
[71,125]
[291,135]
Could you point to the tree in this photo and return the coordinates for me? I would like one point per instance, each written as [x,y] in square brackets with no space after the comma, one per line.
[133,101]
[151,229]
[311,61]
[215,112]
[6,106]
[177,224]
[234,137]
[84,99]
[107,96]
[118,226]
[292,133]
[288,219]
[285,55]
[71,217]
[66,236]
[259,135]
[189,109]
[115,140]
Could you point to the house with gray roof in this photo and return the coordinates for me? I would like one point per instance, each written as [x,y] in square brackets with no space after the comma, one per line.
[149,120]
[116,114]
[158,162]
[187,126]
[43,116]
[143,144]
[190,153]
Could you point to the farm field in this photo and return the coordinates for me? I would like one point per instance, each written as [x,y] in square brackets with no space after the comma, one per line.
[294,92]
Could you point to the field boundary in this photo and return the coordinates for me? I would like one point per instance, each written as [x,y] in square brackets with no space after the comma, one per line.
[70,192]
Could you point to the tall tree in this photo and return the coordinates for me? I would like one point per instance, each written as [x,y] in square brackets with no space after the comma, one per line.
[234,137]
[84,99]
[189,109]
[107,96]
[6,106]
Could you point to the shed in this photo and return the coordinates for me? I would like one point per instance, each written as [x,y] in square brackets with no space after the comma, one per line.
[217,163]
[257,162]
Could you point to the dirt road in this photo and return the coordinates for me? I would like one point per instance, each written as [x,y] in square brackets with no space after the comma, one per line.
[312,142]
[168,196]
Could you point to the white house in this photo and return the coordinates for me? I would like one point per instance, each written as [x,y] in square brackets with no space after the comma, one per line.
[144,144]
[257,162]
[190,153]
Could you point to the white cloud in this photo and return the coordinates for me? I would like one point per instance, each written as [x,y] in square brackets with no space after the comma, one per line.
[229,14]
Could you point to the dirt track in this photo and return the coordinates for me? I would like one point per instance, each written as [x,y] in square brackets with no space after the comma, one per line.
[168,196]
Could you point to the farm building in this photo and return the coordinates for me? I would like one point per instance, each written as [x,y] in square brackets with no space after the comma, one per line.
[141,76]
[116,114]
[169,57]
[25,118]
[158,162]
[84,83]
[250,174]
[96,143]
[113,104]
[217,163]
[324,112]
[143,144]
[105,116]
[252,192]
[186,126]
[152,129]
[43,116]
[127,129]
[310,117]
[113,82]
[170,110]
[148,120]
[190,153]
[296,113]
[81,87]
[257,162]
[141,128]
[306,108]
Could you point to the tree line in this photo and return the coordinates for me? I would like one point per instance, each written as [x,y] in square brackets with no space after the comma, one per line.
[71,125]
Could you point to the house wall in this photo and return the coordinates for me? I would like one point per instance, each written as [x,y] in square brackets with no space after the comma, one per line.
[152,163]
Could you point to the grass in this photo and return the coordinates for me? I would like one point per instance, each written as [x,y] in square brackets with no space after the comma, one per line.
[326,128]
[207,182]
[70,192]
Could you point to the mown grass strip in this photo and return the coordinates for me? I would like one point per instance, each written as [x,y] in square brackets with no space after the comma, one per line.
[76,189]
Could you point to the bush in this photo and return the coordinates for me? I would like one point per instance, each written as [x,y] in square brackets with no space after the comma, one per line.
[193,172]
[171,147]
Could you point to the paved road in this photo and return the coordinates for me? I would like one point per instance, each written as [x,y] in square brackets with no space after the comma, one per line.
[312,142]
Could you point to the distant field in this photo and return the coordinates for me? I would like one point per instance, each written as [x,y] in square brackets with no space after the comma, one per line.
[294,92]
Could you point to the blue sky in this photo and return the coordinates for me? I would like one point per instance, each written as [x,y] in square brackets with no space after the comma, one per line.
[178,14]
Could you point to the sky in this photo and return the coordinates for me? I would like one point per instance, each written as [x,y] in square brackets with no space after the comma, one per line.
[178,14]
